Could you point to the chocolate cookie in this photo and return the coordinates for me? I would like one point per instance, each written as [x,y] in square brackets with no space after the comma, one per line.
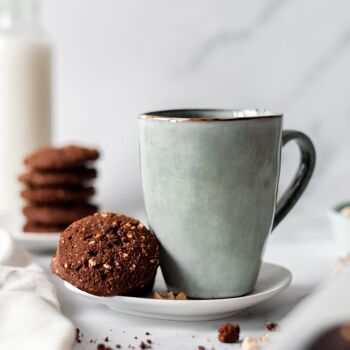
[107,254]
[58,214]
[70,177]
[34,227]
[57,195]
[61,158]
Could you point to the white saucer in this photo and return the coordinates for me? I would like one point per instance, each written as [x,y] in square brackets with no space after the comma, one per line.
[272,280]
[31,241]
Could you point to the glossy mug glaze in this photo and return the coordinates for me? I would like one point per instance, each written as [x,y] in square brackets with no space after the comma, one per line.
[210,180]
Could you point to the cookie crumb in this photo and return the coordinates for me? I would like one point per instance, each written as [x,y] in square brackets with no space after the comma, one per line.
[77,335]
[272,326]
[143,345]
[264,338]
[250,343]
[201,347]
[181,296]
[229,333]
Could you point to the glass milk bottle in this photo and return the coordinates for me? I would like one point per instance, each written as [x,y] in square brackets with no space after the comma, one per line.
[24,93]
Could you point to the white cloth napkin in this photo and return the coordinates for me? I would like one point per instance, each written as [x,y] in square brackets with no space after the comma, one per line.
[30,315]
[327,306]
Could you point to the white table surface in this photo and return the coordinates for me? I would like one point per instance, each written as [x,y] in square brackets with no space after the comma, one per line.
[309,260]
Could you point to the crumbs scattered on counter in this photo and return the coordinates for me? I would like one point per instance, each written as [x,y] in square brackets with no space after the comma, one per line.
[227,333]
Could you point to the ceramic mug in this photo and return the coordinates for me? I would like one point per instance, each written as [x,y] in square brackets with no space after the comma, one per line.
[210,180]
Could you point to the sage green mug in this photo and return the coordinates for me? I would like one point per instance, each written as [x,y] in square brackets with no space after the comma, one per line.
[210,180]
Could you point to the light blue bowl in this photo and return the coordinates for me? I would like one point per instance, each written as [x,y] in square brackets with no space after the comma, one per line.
[340,225]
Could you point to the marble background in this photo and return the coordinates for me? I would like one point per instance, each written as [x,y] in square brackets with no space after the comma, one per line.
[115,59]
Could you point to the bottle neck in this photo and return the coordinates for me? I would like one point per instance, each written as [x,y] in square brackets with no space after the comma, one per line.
[17,14]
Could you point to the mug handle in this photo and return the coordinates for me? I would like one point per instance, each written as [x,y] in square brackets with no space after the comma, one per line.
[302,177]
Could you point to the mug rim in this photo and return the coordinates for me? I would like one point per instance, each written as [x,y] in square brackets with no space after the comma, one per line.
[179,115]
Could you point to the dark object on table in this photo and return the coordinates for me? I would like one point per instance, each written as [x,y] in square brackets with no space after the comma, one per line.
[336,338]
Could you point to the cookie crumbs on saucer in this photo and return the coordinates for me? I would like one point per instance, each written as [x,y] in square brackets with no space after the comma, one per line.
[229,333]
[106,339]
[148,333]
[201,347]
[118,346]
[272,326]
[149,341]
[169,296]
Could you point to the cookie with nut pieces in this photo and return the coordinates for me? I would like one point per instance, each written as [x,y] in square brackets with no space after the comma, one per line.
[107,254]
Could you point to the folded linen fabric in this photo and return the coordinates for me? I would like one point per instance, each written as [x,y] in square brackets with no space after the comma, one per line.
[30,315]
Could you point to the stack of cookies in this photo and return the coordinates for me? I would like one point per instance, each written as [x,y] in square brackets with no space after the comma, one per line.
[58,187]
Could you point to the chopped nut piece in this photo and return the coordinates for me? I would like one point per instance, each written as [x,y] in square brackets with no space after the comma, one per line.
[128,224]
[92,262]
[272,326]
[140,226]
[129,235]
[104,215]
[229,333]
[156,295]
[250,343]
[107,267]
[181,296]
[125,255]
[65,265]
[264,338]
[92,242]
[166,296]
